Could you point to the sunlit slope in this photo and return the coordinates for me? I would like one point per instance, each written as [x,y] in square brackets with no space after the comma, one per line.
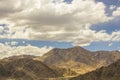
[112,72]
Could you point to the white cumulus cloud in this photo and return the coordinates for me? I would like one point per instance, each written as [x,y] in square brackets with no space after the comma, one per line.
[117,12]
[56,20]
[7,50]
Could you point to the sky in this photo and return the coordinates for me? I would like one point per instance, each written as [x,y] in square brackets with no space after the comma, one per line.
[33,27]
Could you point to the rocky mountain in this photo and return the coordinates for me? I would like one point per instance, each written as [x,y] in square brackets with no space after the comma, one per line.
[105,58]
[112,72]
[79,59]
[56,56]
[25,69]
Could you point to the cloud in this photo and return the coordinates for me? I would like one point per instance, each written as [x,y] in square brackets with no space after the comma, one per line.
[1,29]
[56,20]
[115,36]
[13,43]
[112,7]
[60,14]
[7,50]
[117,12]
[110,44]
[9,7]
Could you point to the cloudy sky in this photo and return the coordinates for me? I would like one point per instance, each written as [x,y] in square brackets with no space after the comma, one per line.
[37,26]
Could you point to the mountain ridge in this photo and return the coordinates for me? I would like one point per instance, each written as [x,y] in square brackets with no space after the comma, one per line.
[25,69]
[111,72]
[79,58]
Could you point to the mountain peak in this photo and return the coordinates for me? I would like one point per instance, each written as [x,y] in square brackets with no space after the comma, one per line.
[77,47]
[71,48]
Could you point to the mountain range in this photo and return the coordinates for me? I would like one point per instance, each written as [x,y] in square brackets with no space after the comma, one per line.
[60,63]
[78,59]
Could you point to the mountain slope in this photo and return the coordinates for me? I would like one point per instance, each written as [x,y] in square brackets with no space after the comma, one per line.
[107,57]
[60,55]
[79,59]
[112,72]
[25,69]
